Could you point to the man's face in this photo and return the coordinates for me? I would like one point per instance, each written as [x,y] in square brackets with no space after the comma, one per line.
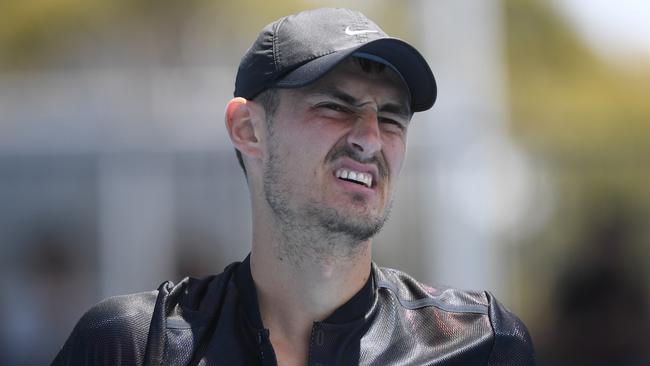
[335,150]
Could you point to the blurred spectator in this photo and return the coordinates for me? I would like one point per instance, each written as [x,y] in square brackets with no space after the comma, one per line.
[601,301]
[44,297]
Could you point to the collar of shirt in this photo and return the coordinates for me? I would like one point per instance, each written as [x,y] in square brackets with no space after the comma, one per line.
[353,309]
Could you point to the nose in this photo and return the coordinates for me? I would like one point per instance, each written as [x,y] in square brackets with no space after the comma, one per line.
[365,136]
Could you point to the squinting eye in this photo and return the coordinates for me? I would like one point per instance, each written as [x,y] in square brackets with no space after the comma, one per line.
[391,122]
[334,107]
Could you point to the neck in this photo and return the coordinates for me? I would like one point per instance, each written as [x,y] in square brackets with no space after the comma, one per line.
[312,287]
[291,299]
[299,282]
[302,274]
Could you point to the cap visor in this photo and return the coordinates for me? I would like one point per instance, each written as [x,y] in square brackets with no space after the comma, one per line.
[403,57]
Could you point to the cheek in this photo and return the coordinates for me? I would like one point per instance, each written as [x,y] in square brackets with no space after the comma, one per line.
[303,153]
[394,152]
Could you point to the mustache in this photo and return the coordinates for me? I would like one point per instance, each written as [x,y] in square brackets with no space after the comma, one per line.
[347,151]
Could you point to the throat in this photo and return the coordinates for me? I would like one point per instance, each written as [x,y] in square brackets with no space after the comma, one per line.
[291,352]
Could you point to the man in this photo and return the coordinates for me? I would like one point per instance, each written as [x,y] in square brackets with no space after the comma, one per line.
[322,106]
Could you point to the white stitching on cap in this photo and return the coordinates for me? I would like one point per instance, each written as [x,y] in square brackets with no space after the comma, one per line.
[276,49]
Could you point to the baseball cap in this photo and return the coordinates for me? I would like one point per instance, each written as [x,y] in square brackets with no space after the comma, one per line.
[298,49]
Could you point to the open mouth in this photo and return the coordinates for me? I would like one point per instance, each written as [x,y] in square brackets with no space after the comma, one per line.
[363,179]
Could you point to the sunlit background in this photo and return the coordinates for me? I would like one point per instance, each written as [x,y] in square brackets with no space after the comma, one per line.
[528,178]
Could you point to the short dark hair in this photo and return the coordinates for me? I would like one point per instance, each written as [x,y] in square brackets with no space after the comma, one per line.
[370,66]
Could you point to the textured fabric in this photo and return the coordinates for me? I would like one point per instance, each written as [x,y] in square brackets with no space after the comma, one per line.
[113,332]
[393,320]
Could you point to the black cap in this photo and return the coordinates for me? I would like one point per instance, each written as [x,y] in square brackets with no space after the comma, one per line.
[296,50]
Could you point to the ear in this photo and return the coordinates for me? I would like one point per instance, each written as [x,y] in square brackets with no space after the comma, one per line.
[240,122]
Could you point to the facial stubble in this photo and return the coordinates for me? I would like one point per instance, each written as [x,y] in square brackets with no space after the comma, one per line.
[312,229]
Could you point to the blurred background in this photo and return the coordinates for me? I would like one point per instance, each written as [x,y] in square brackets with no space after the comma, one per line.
[528,178]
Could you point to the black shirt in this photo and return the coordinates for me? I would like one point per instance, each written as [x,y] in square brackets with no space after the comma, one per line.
[392,320]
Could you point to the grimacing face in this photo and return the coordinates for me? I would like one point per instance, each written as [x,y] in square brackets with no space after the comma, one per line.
[335,150]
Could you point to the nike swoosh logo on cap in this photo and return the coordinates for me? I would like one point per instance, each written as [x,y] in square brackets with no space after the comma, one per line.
[351,32]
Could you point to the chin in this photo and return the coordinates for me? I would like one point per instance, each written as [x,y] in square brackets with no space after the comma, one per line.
[358,227]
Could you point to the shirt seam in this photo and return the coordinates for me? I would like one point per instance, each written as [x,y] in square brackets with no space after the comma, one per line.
[425,302]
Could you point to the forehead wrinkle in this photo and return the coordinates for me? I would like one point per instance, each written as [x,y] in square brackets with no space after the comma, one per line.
[336,93]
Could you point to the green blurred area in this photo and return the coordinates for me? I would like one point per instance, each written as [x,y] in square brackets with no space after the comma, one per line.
[588,120]
[38,34]
[566,100]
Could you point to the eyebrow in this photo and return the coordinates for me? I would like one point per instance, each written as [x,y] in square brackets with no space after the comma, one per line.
[400,109]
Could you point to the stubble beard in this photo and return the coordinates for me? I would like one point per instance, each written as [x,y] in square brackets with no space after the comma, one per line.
[311,230]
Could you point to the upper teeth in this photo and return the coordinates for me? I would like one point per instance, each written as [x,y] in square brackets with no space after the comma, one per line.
[364,178]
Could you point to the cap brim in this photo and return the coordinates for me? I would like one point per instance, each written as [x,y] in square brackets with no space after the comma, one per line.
[403,57]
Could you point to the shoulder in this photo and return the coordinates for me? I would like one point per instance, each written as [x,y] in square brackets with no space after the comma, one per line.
[413,294]
[511,342]
[118,313]
[114,331]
